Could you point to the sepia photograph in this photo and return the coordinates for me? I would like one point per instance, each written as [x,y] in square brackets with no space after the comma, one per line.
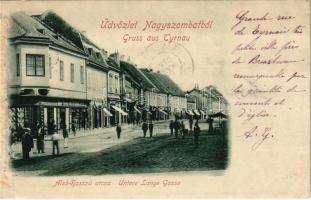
[155,99]
[74,105]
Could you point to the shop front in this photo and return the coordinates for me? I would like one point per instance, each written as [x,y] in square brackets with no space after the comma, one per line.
[31,111]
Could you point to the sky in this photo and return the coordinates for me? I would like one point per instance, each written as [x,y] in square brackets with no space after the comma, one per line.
[197,61]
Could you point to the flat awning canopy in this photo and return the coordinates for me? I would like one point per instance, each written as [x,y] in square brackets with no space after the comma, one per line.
[190,112]
[107,112]
[162,111]
[196,112]
[135,108]
[119,110]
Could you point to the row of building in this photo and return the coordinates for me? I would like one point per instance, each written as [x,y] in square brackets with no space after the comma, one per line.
[59,76]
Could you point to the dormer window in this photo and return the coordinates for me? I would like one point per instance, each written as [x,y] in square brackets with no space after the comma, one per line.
[90,51]
[42,31]
[98,55]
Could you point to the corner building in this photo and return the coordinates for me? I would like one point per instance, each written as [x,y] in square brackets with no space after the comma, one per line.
[47,81]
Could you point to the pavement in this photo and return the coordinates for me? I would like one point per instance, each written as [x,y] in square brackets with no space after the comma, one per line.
[86,141]
[101,153]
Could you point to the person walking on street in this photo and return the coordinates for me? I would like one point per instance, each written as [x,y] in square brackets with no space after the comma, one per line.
[65,135]
[150,128]
[137,120]
[145,128]
[27,144]
[55,138]
[190,123]
[119,130]
[196,131]
[210,125]
[182,129]
[172,127]
[40,139]
[176,127]
[74,130]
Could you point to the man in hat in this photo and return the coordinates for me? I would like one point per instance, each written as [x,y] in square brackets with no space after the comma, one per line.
[27,144]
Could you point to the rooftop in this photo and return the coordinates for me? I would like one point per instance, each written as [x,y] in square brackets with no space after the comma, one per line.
[164,83]
[138,75]
[72,34]
[26,27]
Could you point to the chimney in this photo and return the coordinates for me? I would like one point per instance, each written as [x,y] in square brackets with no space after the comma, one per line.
[105,53]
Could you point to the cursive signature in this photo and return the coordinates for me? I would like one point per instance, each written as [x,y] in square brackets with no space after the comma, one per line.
[259,135]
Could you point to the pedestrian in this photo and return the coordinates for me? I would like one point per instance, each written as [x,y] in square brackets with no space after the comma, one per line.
[145,128]
[210,125]
[182,129]
[190,123]
[85,123]
[12,140]
[172,127]
[119,130]
[55,138]
[150,128]
[40,139]
[27,144]
[176,127]
[196,131]
[73,127]
[137,120]
[65,135]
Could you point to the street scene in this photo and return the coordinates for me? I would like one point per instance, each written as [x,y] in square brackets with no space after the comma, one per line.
[102,153]
[75,109]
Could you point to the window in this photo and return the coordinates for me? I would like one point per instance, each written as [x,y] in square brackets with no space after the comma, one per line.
[50,67]
[42,31]
[98,55]
[35,65]
[116,83]
[110,82]
[17,65]
[82,74]
[61,70]
[90,51]
[72,73]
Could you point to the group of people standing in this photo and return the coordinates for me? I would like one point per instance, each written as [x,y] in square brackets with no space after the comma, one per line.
[39,132]
[145,127]
[178,127]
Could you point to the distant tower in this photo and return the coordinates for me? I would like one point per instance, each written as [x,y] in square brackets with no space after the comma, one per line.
[196,86]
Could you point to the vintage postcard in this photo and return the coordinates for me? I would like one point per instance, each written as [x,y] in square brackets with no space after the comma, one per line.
[155,99]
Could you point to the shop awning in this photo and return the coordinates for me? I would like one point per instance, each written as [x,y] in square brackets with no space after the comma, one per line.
[59,104]
[137,110]
[190,112]
[203,113]
[196,112]
[107,112]
[119,110]
[162,111]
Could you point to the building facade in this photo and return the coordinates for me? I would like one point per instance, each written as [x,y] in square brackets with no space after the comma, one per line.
[116,102]
[171,99]
[47,84]
[216,102]
[96,69]
[59,76]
